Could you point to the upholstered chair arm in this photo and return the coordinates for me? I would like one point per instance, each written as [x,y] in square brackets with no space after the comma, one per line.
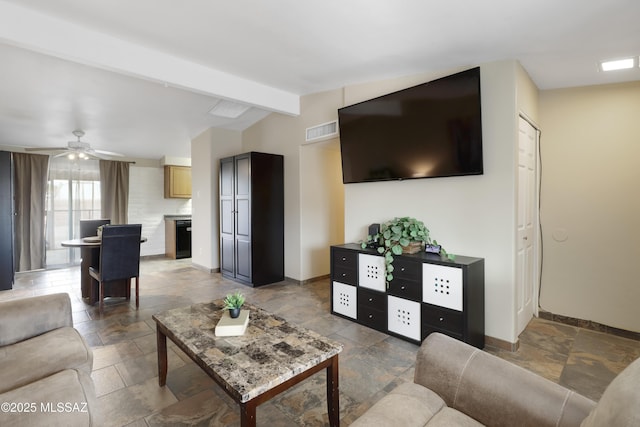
[21,319]
[494,391]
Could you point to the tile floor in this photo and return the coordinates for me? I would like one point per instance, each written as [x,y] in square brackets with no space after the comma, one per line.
[372,363]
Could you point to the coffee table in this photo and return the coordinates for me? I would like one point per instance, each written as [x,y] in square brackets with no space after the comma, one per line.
[269,358]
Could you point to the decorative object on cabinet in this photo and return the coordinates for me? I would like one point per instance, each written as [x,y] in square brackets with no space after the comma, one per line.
[400,235]
[428,293]
[177,182]
[233,303]
[252,218]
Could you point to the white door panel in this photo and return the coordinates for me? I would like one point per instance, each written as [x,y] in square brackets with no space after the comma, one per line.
[526,224]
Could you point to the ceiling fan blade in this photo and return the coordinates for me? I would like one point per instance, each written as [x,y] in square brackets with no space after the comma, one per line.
[45,148]
[108,153]
[96,155]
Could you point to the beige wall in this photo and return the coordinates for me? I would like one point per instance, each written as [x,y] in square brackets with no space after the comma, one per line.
[321,206]
[472,215]
[590,203]
[206,151]
[285,135]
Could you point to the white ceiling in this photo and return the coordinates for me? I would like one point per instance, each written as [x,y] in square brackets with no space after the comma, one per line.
[140,76]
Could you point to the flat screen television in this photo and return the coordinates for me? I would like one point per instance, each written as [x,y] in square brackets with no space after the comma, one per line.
[430,130]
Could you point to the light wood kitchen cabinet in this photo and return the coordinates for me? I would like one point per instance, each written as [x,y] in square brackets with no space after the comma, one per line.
[177,182]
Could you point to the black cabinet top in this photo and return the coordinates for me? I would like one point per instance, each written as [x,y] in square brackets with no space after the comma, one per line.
[460,260]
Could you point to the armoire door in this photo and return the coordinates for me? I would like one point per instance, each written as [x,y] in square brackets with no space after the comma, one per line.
[243,217]
[227,217]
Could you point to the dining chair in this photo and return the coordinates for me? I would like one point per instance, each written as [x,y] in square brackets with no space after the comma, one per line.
[119,258]
[90,256]
[89,227]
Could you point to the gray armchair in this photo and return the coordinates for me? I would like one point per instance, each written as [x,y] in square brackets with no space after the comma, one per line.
[459,385]
[45,365]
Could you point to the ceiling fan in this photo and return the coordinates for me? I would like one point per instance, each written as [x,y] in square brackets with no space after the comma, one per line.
[78,149]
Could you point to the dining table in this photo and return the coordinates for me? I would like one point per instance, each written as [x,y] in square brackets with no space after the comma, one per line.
[90,257]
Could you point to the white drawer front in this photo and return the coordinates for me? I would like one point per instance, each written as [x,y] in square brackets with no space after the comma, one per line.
[403,317]
[345,300]
[371,272]
[442,286]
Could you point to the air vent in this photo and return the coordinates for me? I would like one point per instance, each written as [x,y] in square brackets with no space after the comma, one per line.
[228,109]
[324,131]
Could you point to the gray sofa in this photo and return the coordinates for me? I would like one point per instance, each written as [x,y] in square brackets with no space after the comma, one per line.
[458,385]
[45,365]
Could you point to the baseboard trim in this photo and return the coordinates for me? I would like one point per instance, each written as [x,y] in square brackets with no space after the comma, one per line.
[154,256]
[206,269]
[501,344]
[589,324]
[306,281]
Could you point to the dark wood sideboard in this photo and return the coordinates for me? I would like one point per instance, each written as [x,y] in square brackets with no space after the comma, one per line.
[428,293]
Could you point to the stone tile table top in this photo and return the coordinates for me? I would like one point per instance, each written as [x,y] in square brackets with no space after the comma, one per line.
[272,352]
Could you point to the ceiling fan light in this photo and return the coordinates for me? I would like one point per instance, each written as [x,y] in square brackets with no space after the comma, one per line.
[71,156]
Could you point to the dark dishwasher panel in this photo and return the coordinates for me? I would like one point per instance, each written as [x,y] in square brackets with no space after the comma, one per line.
[183,239]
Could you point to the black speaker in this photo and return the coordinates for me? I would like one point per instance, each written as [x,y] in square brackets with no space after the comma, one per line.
[374,229]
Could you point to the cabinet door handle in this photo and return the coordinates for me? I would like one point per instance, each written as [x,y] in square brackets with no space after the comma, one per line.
[344,274]
[370,299]
[402,288]
[442,319]
[344,259]
[371,316]
[402,269]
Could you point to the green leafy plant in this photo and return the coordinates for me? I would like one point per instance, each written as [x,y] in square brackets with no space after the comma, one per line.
[232,301]
[397,234]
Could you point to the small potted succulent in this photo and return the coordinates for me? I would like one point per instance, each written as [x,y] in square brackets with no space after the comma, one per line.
[233,303]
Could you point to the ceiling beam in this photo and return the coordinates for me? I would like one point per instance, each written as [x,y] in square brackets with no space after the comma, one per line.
[31,30]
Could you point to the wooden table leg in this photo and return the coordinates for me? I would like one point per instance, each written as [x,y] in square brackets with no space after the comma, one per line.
[333,393]
[248,414]
[162,356]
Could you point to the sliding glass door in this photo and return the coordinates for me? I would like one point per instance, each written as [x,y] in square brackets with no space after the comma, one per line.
[73,193]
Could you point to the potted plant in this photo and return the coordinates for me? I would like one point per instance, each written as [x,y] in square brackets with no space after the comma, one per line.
[401,235]
[233,303]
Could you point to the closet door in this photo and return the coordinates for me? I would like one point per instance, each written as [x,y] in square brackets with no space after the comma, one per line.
[6,221]
[243,217]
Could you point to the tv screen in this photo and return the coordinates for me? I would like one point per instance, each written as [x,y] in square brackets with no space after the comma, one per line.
[430,130]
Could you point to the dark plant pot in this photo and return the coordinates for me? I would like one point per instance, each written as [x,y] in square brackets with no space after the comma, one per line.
[234,312]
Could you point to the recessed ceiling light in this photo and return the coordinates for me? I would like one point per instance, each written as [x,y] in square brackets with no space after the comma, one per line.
[228,109]
[617,64]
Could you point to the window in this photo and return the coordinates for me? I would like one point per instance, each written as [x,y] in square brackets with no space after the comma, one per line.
[73,193]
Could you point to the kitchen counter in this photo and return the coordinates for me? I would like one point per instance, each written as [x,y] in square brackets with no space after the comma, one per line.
[177,217]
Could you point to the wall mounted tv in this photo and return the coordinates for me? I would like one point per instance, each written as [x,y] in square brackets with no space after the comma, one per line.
[430,130]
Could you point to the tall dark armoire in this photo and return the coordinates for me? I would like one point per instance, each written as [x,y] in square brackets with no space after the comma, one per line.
[7,267]
[252,218]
